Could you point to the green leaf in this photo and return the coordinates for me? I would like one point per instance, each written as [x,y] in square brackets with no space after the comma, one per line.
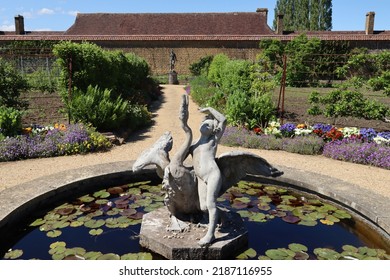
[37,222]
[276,254]
[53,233]
[296,247]
[101,194]
[95,231]
[109,256]
[13,254]
[92,255]
[94,223]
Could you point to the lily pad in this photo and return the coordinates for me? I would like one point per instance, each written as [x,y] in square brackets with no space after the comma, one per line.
[277,254]
[128,212]
[327,222]
[13,254]
[245,213]
[101,194]
[76,224]
[66,211]
[110,256]
[296,247]
[301,256]
[92,255]
[57,244]
[351,248]
[341,214]
[94,223]
[74,258]
[291,219]
[86,199]
[38,222]
[309,223]
[250,253]
[115,190]
[97,231]
[326,254]
[137,256]
[258,217]
[54,233]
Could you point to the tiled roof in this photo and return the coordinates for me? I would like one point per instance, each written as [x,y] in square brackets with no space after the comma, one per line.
[250,23]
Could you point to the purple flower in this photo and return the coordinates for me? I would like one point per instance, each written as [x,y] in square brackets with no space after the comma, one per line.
[368,133]
[287,129]
[323,127]
[384,134]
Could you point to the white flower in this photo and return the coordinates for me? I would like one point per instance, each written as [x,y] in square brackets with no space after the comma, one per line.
[349,131]
[381,140]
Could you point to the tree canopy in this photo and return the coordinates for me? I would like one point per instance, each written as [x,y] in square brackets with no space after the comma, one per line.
[304,15]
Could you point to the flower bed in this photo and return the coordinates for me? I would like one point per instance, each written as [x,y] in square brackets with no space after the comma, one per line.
[57,140]
[364,146]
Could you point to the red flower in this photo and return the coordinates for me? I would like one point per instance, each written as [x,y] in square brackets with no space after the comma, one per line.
[257,130]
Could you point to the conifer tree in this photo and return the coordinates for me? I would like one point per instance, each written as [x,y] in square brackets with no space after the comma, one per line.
[305,15]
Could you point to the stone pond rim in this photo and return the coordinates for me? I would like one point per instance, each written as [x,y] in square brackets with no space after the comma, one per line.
[16,203]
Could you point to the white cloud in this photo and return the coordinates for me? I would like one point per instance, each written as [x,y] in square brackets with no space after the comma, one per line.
[45,11]
[28,15]
[5,27]
[73,13]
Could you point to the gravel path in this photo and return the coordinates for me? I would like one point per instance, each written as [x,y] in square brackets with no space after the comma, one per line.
[166,119]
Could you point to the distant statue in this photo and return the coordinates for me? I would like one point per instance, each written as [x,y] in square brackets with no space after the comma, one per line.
[172,60]
[192,191]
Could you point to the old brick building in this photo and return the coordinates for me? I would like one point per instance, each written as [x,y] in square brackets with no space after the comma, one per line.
[191,35]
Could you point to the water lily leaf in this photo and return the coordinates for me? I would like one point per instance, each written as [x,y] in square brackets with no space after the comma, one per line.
[291,219]
[110,256]
[137,216]
[239,205]
[115,190]
[54,233]
[332,218]
[264,258]
[95,231]
[58,256]
[37,222]
[61,224]
[341,214]
[13,254]
[284,207]
[326,254]
[244,213]
[258,217]
[57,244]
[278,213]
[66,211]
[96,213]
[92,255]
[250,253]
[243,199]
[301,256]
[86,199]
[102,201]
[276,254]
[263,206]
[94,223]
[52,216]
[128,212]
[270,189]
[137,256]
[76,224]
[57,250]
[350,248]
[296,247]
[101,194]
[309,223]
[252,192]
[74,258]
[327,222]
[221,199]
[113,212]
[75,251]
[84,219]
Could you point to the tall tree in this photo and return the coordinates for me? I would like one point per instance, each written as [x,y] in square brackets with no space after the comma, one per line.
[304,15]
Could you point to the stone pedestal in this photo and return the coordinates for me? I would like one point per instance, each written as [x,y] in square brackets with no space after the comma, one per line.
[230,241]
[172,78]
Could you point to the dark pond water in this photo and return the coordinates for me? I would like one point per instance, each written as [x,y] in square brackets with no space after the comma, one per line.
[282,225]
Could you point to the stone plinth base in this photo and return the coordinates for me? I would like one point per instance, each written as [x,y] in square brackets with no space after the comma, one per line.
[172,78]
[231,239]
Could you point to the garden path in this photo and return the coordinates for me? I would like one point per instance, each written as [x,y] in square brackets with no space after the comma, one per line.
[166,118]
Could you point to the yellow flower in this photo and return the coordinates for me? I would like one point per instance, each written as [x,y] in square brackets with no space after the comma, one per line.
[301,126]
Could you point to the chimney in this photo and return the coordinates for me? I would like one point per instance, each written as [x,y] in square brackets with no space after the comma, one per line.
[370,16]
[19,25]
[279,24]
[262,10]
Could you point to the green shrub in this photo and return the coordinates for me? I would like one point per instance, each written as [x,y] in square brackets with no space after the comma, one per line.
[42,81]
[138,116]
[235,75]
[201,67]
[11,84]
[95,106]
[216,68]
[10,121]
[201,90]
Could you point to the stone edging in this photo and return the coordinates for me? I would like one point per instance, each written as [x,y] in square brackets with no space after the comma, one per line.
[16,202]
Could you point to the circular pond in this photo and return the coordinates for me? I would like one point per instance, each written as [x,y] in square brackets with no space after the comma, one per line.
[282,224]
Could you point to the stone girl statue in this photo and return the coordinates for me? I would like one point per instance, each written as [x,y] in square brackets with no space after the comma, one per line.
[192,191]
[206,169]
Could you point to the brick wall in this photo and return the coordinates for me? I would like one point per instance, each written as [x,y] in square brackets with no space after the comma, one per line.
[157,53]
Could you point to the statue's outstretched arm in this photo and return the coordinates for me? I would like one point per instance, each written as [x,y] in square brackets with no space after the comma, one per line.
[183,152]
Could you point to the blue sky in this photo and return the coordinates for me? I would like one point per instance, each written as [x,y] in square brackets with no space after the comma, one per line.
[59,15]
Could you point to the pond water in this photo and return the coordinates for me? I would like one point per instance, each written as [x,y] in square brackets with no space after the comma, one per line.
[105,224]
